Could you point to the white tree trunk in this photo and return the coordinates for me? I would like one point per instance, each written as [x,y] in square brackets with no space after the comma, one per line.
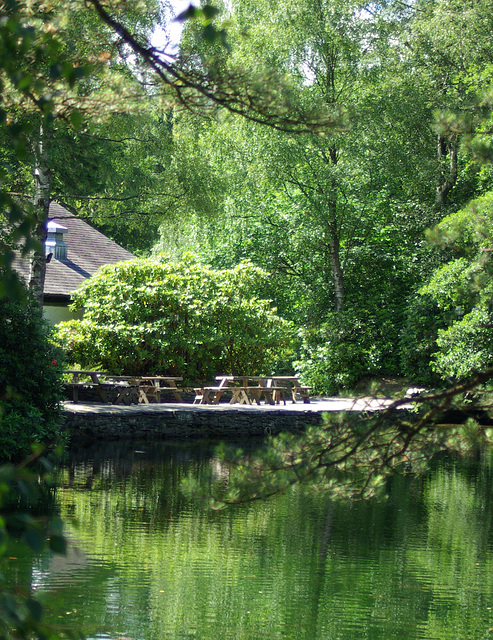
[41,210]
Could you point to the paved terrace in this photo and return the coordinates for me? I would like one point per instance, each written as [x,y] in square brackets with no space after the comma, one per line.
[185,420]
[316,405]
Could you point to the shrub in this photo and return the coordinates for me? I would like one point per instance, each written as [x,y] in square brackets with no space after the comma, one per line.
[418,338]
[462,292]
[338,354]
[466,346]
[30,388]
[184,318]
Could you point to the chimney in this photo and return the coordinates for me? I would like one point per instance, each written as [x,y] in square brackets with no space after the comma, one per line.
[54,241]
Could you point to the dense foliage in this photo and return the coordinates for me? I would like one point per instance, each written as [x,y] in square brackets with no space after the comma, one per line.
[182,318]
[28,522]
[376,120]
[30,387]
[339,220]
[340,352]
[462,291]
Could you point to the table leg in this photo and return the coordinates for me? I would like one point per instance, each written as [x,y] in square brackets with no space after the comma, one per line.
[269,396]
[175,392]
[280,394]
[101,392]
[256,394]
[240,396]
[126,395]
[141,395]
[75,388]
[216,396]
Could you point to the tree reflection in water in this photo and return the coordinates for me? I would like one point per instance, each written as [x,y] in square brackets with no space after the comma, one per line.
[154,565]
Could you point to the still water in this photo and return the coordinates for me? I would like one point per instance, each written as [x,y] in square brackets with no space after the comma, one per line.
[146,564]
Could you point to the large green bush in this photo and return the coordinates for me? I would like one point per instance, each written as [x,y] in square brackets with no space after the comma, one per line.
[183,318]
[466,346]
[417,341]
[30,388]
[462,292]
[336,355]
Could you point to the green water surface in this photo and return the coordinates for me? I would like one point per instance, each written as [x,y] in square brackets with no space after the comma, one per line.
[145,563]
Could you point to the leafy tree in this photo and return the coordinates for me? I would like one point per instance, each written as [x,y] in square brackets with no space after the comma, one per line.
[40,75]
[204,82]
[461,289]
[350,457]
[337,220]
[337,354]
[357,199]
[117,175]
[417,341]
[152,316]
[30,388]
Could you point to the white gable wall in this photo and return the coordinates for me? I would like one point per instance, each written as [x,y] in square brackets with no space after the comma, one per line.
[55,313]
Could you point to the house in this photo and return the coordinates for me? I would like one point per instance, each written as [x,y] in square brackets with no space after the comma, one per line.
[74,252]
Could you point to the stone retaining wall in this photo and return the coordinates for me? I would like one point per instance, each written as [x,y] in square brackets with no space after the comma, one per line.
[182,423]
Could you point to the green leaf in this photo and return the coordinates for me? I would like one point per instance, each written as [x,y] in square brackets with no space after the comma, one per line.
[209,12]
[76,118]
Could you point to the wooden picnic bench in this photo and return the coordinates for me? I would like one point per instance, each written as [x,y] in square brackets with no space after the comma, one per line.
[281,384]
[294,387]
[253,395]
[125,389]
[211,395]
[94,382]
[208,395]
[272,388]
[143,389]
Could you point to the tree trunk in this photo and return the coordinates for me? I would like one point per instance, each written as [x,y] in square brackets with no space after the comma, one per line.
[41,210]
[334,240]
[337,273]
[447,162]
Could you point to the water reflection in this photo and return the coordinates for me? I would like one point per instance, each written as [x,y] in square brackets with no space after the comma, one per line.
[145,563]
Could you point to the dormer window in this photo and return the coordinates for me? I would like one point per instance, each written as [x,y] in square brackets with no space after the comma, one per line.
[54,241]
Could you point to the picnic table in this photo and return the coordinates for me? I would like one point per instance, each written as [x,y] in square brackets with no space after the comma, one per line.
[95,381]
[142,389]
[272,388]
[129,389]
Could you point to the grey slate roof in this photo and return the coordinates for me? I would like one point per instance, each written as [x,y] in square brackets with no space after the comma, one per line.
[87,250]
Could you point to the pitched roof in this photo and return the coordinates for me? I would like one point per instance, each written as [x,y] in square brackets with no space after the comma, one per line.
[87,250]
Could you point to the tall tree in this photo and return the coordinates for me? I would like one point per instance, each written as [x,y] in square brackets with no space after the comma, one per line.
[56,81]
[332,194]
[41,209]
[447,43]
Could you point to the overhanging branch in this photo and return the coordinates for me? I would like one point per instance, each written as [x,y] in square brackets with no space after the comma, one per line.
[234,91]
